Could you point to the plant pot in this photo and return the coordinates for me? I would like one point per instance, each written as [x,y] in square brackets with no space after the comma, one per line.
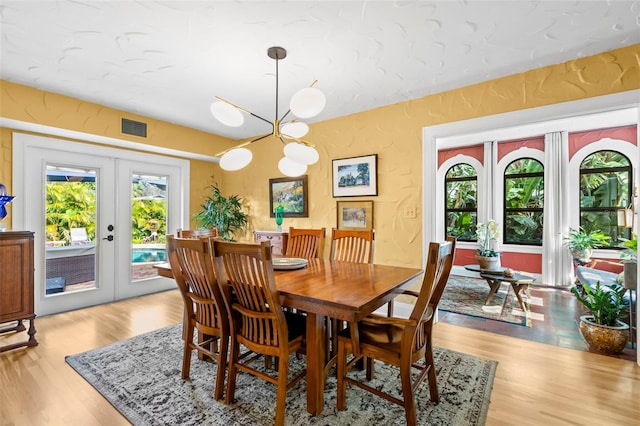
[583,255]
[488,263]
[603,338]
[631,275]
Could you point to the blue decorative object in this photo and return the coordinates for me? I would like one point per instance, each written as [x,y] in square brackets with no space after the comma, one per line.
[4,199]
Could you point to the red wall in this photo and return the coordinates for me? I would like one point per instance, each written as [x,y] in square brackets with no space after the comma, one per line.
[529,262]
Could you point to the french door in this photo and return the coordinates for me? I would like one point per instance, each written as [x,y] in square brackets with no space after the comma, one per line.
[100,217]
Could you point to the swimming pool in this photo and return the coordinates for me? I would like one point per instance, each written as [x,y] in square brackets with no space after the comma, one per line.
[141,255]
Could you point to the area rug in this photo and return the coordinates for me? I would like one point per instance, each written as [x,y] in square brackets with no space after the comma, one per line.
[466,295]
[140,377]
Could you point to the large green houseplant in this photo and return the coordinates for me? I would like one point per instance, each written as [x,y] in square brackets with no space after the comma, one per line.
[581,243]
[602,328]
[224,213]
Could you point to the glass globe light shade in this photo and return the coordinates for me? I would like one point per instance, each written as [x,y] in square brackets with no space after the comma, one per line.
[236,159]
[307,102]
[301,153]
[289,167]
[294,129]
[227,114]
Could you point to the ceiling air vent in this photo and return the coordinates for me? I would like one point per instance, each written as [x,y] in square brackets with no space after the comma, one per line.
[135,128]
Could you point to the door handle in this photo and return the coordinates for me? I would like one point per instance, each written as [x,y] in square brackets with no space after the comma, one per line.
[109,238]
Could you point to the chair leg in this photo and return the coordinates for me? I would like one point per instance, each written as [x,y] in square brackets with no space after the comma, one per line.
[231,382]
[281,399]
[369,367]
[222,366]
[390,309]
[186,356]
[407,393]
[431,375]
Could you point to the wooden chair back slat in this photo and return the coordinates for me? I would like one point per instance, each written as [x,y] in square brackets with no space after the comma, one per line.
[306,243]
[352,246]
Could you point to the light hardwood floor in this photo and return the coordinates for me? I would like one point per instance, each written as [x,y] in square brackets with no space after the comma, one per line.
[535,384]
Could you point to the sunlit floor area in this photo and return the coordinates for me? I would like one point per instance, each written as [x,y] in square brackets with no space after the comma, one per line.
[553,319]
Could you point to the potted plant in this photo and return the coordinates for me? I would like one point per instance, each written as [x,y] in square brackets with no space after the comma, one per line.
[486,256]
[581,243]
[602,328]
[224,213]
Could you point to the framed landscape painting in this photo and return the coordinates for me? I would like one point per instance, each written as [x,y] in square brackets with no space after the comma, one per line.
[291,193]
[355,215]
[355,176]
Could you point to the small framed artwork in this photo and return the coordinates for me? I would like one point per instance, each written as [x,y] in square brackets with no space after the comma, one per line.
[355,176]
[355,215]
[292,194]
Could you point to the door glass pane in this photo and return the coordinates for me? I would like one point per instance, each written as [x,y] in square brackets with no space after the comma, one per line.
[148,224]
[70,217]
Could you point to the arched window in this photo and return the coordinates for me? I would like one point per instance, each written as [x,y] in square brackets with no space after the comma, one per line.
[605,189]
[461,202]
[523,202]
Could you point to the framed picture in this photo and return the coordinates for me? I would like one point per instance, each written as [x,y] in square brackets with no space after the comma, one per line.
[292,194]
[355,215]
[355,176]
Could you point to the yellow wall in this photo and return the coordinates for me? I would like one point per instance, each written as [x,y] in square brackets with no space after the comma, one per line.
[394,132]
[25,103]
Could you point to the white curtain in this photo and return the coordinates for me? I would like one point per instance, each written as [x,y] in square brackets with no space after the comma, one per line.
[557,268]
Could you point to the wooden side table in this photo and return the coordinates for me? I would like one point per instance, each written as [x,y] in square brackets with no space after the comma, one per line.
[496,278]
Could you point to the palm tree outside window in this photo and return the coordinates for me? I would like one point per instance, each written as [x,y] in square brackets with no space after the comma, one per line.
[605,188]
[461,202]
[523,202]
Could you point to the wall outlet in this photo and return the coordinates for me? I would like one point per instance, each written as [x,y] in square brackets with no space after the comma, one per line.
[410,212]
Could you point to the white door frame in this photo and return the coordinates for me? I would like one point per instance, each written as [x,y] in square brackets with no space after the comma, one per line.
[20,218]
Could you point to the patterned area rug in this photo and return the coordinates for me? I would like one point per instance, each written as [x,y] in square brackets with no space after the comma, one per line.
[466,295]
[141,378]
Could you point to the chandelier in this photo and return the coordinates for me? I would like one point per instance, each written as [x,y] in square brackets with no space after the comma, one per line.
[298,153]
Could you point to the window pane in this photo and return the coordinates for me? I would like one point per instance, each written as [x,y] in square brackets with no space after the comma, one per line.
[462,225]
[524,228]
[149,224]
[523,202]
[461,187]
[605,188]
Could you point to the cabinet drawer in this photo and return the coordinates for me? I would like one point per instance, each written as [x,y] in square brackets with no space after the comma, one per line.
[278,241]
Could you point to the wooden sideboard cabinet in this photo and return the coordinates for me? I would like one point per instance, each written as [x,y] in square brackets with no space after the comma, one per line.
[278,241]
[16,285]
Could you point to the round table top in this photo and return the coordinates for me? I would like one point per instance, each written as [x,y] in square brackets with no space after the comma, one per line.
[498,274]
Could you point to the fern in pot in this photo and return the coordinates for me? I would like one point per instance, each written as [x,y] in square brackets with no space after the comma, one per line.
[224,213]
[602,328]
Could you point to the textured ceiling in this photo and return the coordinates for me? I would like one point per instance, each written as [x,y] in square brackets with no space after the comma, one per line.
[168,59]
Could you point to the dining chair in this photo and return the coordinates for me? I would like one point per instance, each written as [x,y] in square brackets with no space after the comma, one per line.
[192,266]
[400,342]
[306,243]
[196,233]
[258,322]
[356,247]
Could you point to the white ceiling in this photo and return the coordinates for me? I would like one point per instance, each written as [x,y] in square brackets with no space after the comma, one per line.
[168,59]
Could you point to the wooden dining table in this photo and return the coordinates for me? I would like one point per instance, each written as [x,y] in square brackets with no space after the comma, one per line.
[341,290]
